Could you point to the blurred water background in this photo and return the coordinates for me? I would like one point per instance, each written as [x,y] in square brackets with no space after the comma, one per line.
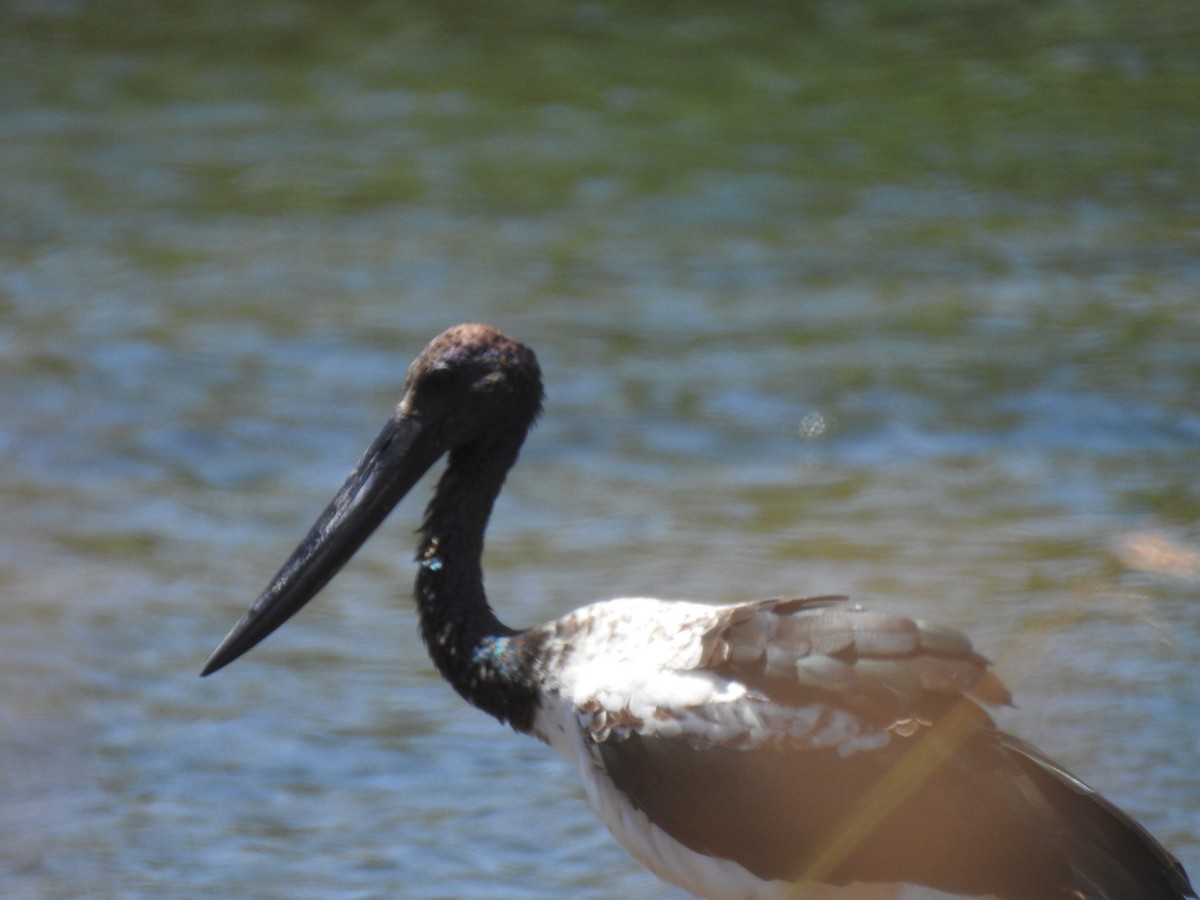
[869,296]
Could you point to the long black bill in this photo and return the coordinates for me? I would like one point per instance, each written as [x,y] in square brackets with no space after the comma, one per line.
[398,457]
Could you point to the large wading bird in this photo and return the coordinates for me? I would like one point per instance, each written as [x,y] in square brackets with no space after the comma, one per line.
[777,748]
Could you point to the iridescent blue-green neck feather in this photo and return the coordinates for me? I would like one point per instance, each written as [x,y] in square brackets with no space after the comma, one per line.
[487,662]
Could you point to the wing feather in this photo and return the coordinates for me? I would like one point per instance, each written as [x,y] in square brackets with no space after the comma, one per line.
[883,667]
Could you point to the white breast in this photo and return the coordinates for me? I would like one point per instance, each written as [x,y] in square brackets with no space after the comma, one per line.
[635,663]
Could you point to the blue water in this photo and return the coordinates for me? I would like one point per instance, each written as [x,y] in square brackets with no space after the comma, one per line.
[946,370]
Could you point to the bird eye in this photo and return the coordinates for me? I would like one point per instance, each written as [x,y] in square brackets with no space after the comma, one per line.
[439,378]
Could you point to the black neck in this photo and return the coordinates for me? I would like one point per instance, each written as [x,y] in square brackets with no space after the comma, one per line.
[487,662]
